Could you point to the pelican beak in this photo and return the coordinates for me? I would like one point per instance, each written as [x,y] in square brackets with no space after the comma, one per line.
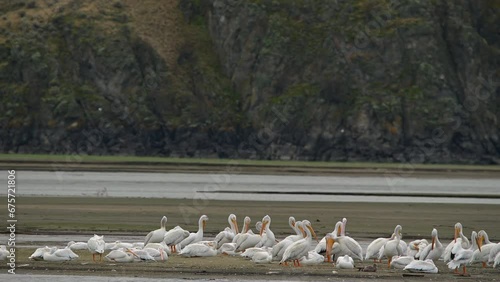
[263,227]
[479,243]
[433,242]
[456,234]
[204,224]
[302,230]
[339,231]
[329,245]
[130,251]
[293,223]
[313,233]
[235,225]
[416,246]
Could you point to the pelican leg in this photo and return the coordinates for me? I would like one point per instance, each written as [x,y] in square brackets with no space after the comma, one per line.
[389,262]
[298,263]
[465,271]
[456,270]
[484,264]
[93,257]
[328,258]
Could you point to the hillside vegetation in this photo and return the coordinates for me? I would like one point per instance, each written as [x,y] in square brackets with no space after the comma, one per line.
[363,80]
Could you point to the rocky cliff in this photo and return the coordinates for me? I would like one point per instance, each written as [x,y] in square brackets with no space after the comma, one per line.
[374,80]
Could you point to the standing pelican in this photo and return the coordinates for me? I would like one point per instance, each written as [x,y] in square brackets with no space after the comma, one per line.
[459,237]
[321,246]
[195,237]
[463,256]
[393,247]
[174,236]
[482,254]
[156,236]
[301,247]
[346,245]
[434,250]
[96,245]
[227,235]
[268,239]
[372,251]
[279,249]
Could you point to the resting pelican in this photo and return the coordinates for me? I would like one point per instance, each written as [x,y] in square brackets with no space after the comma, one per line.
[346,245]
[59,255]
[96,246]
[401,262]
[434,250]
[301,247]
[3,252]
[174,236]
[77,245]
[195,237]
[420,248]
[462,240]
[493,253]
[157,246]
[199,250]
[38,254]
[393,247]
[141,255]
[321,246]
[372,251]
[461,256]
[248,253]
[344,262]
[156,236]
[227,235]
[279,249]
[268,239]
[118,245]
[157,254]
[422,266]
[482,255]
[120,256]
[262,257]
[312,258]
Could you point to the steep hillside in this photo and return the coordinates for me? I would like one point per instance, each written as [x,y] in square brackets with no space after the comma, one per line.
[345,80]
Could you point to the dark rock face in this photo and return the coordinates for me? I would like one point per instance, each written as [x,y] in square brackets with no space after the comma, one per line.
[337,80]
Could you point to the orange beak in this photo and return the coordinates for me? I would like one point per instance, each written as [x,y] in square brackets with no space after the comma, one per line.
[479,243]
[456,234]
[329,245]
[235,225]
[264,224]
[313,233]
[204,224]
[339,231]
[433,242]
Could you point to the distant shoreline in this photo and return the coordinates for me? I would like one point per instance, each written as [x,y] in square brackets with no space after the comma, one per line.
[228,166]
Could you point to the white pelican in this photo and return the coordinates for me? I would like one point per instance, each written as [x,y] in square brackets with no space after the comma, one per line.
[174,236]
[496,260]
[301,247]
[248,239]
[262,257]
[141,255]
[157,254]
[138,245]
[433,251]
[415,247]
[483,254]
[3,252]
[321,246]
[461,256]
[493,253]
[195,237]
[227,249]
[119,245]
[96,245]
[372,251]
[245,229]
[248,253]
[401,262]
[420,248]
[344,224]
[422,266]
[280,247]
[312,258]
[346,245]
[199,250]
[344,262]
[156,236]
[120,256]
[462,240]
[268,239]
[77,245]
[227,235]
[38,254]
[157,246]
[59,255]
[393,247]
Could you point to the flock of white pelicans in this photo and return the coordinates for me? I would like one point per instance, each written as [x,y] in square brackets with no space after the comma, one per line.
[298,248]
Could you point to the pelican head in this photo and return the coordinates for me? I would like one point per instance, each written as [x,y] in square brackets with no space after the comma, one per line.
[308,225]
[475,238]
[232,222]
[246,223]
[458,230]
[265,222]
[434,235]
[203,221]
[163,222]
[291,221]
[397,230]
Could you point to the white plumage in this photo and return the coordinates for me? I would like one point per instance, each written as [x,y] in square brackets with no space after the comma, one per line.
[344,262]
[400,262]
[156,236]
[120,256]
[96,245]
[422,266]
[56,254]
[393,247]
[460,238]
[174,236]
[461,256]
[194,237]
[198,250]
[301,247]
[434,250]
